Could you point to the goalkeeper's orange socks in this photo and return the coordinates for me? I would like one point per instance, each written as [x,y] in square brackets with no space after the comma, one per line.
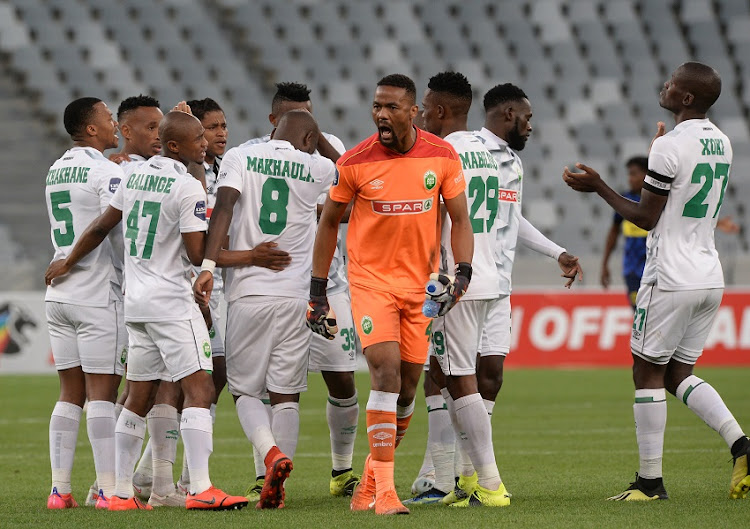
[381,434]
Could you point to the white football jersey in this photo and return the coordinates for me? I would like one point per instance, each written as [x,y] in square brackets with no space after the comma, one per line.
[337,280]
[691,166]
[482,176]
[79,187]
[279,188]
[159,201]
[115,235]
[211,177]
[509,211]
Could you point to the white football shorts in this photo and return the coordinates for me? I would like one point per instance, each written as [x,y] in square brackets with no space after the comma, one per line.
[673,324]
[339,354]
[93,338]
[168,350]
[267,346]
[456,337]
[496,334]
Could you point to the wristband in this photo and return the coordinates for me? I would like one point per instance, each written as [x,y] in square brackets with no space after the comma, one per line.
[318,286]
[208,265]
[464,269]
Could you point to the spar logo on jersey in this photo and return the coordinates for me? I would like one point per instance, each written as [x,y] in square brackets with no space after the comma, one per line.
[401,207]
[114,183]
[200,210]
[430,180]
[508,195]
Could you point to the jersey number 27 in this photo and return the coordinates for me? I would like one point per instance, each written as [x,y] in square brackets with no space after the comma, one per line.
[695,207]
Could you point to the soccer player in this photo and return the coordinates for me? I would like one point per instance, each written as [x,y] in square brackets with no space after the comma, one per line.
[138,118]
[270,190]
[335,359]
[168,338]
[457,335]
[83,309]
[396,178]
[507,128]
[682,285]
[634,252]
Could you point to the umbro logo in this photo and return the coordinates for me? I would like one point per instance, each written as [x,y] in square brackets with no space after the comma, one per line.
[377,184]
[382,436]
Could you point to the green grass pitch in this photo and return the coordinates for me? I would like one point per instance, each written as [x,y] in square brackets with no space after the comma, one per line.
[564,442]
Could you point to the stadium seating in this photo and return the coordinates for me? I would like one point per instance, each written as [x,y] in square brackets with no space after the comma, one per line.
[592,69]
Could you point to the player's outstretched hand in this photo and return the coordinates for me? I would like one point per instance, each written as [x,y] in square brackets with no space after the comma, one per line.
[202,288]
[661,129]
[54,270]
[570,267]
[604,277]
[182,106]
[119,157]
[266,255]
[583,182]
[455,287]
[321,318]
[727,225]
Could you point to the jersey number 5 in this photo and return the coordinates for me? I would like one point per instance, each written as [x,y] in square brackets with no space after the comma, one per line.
[57,199]
[150,209]
[695,208]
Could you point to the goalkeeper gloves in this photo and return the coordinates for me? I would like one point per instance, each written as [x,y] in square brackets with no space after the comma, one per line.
[320,317]
[453,287]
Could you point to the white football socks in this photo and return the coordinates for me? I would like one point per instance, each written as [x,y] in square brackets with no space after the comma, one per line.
[100,423]
[706,403]
[285,427]
[489,405]
[476,436]
[257,427]
[462,463]
[129,432]
[342,416]
[63,435]
[164,431]
[144,471]
[258,459]
[441,442]
[650,412]
[197,436]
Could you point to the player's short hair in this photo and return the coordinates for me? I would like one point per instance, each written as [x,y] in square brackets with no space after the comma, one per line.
[201,107]
[296,92]
[400,80]
[703,81]
[131,103]
[639,161]
[455,85]
[502,93]
[78,114]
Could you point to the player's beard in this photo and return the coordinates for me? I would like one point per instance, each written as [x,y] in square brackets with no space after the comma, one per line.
[515,140]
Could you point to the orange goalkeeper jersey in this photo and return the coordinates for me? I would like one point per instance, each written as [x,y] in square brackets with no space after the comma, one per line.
[393,241]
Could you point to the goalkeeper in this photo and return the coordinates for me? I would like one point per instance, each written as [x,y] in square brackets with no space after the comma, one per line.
[395,178]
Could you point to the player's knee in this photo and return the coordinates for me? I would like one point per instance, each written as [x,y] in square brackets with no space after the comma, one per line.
[340,385]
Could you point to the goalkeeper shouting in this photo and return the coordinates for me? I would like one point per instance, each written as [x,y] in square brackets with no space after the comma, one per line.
[396,178]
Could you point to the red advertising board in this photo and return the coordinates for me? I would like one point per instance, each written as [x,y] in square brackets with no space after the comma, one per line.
[592,328]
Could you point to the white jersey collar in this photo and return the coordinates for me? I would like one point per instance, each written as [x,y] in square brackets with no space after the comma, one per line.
[689,122]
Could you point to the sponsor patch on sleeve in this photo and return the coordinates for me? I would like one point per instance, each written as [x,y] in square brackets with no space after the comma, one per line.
[114,183]
[336,177]
[200,209]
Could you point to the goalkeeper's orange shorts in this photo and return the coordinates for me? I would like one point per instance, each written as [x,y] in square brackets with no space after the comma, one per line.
[382,316]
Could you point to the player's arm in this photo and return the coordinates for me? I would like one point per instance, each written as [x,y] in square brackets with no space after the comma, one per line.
[195,246]
[344,217]
[644,214]
[326,149]
[609,246]
[95,233]
[535,240]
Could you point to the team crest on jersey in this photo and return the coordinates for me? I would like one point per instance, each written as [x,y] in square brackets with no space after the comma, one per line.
[200,210]
[124,356]
[207,349]
[366,324]
[114,183]
[430,180]
[401,207]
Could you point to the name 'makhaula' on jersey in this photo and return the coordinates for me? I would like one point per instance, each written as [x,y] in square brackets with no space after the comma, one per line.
[159,201]
[393,239]
[279,188]
[78,189]
[690,165]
